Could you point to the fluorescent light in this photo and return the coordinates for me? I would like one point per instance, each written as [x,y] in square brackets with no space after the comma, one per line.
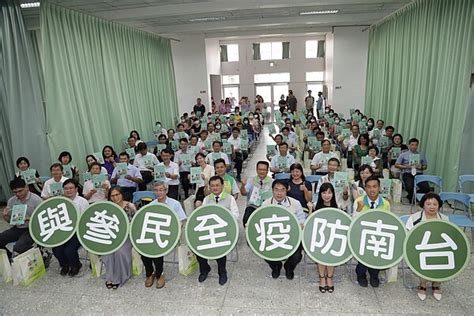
[29,5]
[319,12]
[208,19]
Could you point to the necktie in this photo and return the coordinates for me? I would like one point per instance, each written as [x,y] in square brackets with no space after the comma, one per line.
[217,199]
[372,204]
[279,203]
[261,183]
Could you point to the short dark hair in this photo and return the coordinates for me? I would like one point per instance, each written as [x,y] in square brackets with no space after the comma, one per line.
[373,178]
[124,153]
[184,139]
[56,165]
[375,148]
[280,181]
[220,160]
[365,136]
[95,163]
[390,127]
[283,144]
[265,163]
[17,183]
[334,159]
[413,140]
[399,135]
[199,154]
[218,142]
[20,159]
[235,129]
[366,167]
[65,154]
[141,146]
[76,185]
[428,196]
[167,151]
[216,178]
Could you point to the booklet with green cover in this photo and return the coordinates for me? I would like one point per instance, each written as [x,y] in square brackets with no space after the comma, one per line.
[314,144]
[29,175]
[227,149]
[97,180]
[159,172]
[346,133]
[414,160]
[384,142]
[18,214]
[366,160]
[174,145]
[196,175]
[160,147]
[187,160]
[272,129]
[396,151]
[86,176]
[98,156]
[340,180]
[244,144]
[67,171]
[56,188]
[376,133]
[148,161]
[122,169]
[385,187]
[131,153]
[282,162]
[271,150]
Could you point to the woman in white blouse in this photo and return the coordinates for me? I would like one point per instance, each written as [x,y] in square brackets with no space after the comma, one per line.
[91,193]
[207,171]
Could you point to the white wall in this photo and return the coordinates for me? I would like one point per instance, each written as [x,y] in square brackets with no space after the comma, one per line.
[328,74]
[192,80]
[297,65]
[350,66]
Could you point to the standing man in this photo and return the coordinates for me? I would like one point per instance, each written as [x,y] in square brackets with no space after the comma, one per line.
[366,203]
[319,103]
[217,196]
[309,102]
[199,109]
[291,101]
[280,189]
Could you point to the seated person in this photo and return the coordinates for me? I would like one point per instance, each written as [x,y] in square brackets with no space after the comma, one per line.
[377,163]
[342,197]
[217,154]
[145,162]
[129,182]
[282,161]
[19,234]
[65,158]
[299,188]
[92,194]
[230,185]
[56,177]
[207,171]
[171,174]
[184,170]
[358,187]
[319,163]
[360,150]
[23,164]
[392,158]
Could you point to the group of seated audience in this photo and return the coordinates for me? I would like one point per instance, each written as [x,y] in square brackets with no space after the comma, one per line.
[199,141]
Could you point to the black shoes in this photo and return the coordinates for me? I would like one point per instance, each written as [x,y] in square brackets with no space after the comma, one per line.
[289,274]
[276,273]
[223,279]
[374,282]
[75,270]
[203,276]
[64,270]
[362,280]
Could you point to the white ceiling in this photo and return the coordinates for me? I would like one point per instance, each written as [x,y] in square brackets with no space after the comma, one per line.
[172,17]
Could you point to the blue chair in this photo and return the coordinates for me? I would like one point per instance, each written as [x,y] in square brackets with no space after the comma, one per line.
[282,176]
[313,178]
[461,220]
[139,195]
[404,218]
[436,180]
[152,143]
[44,178]
[462,180]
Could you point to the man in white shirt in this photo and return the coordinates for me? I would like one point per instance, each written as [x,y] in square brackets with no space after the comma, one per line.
[280,189]
[171,173]
[237,155]
[129,183]
[183,168]
[319,163]
[349,144]
[56,177]
[309,102]
[282,161]
[145,162]
[161,191]
[217,154]
[66,253]
[217,196]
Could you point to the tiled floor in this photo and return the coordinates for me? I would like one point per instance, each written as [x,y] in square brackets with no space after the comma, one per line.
[250,290]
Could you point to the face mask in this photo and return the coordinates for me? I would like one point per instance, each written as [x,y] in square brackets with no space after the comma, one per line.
[218,127]
[337,121]
[370,124]
[327,111]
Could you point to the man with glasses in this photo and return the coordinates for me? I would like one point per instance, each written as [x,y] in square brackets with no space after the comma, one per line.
[19,233]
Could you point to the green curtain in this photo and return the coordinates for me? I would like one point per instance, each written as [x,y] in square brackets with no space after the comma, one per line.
[22,129]
[102,80]
[286,50]
[224,53]
[256,51]
[418,71]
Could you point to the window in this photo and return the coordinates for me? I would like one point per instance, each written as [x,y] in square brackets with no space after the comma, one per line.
[315,76]
[314,87]
[315,48]
[272,78]
[230,52]
[230,79]
[271,50]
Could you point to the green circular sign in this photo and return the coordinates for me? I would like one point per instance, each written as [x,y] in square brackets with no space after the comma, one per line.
[437,250]
[155,230]
[376,239]
[325,236]
[103,228]
[273,233]
[211,231]
[54,222]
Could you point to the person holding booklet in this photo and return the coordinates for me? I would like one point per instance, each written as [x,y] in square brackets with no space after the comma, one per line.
[230,184]
[34,183]
[349,143]
[183,158]
[394,152]
[70,171]
[145,161]
[256,189]
[128,181]
[360,150]
[23,202]
[217,154]
[279,197]
[366,203]
[220,197]
[110,157]
[91,193]
[411,163]
[67,253]
[90,159]
[278,140]
[53,187]
[358,187]
[377,163]
[205,173]
[171,174]
[238,156]
[319,163]
[341,188]
[282,161]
